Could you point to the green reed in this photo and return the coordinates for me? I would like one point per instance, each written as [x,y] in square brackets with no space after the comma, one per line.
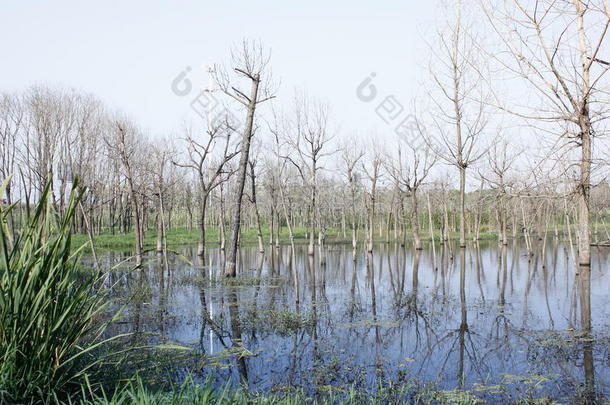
[48,308]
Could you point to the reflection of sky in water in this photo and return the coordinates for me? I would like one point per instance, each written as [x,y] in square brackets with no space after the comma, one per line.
[387,319]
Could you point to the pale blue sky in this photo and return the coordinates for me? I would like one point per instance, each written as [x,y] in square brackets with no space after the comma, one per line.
[128,52]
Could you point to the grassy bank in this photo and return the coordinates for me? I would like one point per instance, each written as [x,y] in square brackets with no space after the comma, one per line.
[183,237]
[177,237]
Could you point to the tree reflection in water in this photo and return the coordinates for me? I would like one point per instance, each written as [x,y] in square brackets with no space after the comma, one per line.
[492,316]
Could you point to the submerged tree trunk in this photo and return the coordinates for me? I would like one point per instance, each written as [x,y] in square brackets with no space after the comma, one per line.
[353,214]
[312,221]
[462,207]
[584,122]
[431,229]
[221,230]
[445,226]
[504,220]
[584,232]
[415,220]
[231,264]
[202,217]
[259,231]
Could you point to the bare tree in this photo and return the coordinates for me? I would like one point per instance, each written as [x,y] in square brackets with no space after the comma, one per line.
[250,63]
[209,166]
[461,120]
[500,161]
[351,156]
[162,155]
[372,170]
[309,138]
[271,186]
[409,168]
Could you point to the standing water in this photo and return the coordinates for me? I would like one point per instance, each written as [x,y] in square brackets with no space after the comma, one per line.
[488,321]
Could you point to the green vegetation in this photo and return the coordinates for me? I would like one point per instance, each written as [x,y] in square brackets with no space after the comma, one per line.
[282,322]
[192,393]
[176,237]
[179,237]
[48,309]
[183,237]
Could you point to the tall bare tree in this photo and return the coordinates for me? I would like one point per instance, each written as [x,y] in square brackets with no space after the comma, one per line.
[460,120]
[250,63]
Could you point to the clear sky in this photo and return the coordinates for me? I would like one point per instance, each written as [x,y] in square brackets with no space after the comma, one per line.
[128,52]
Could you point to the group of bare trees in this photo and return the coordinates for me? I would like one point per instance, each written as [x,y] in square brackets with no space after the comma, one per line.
[549,53]
[558,55]
[289,169]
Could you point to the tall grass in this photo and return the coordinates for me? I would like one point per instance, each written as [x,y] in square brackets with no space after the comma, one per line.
[136,393]
[48,309]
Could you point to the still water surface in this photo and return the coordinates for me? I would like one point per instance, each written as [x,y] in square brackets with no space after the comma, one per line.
[488,319]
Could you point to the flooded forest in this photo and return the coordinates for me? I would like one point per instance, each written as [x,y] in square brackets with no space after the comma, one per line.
[272,248]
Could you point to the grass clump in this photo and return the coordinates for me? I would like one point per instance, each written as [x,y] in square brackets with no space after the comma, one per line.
[48,309]
[281,322]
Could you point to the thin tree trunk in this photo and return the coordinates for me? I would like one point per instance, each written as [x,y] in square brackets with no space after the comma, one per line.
[431,230]
[231,264]
[584,189]
[259,231]
[462,207]
[415,220]
[202,225]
